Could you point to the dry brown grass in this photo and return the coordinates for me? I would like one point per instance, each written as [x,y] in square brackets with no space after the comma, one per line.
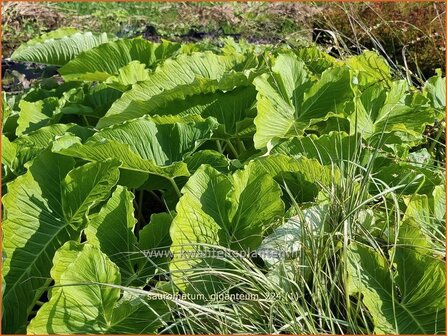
[22,21]
[411,34]
[259,20]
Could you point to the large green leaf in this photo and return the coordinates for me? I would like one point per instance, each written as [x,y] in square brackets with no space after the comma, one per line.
[370,67]
[85,301]
[111,230]
[183,70]
[154,241]
[315,59]
[9,152]
[231,211]
[429,213]
[44,208]
[34,115]
[276,94]
[288,102]
[379,110]
[44,106]
[203,97]
[406,177]
[142,146]
[58,48]
[210,157]
[128,75]
[410,300]
[89,100]
[327,149]
[434,89]
[28,146]
[303,178]
[107,59]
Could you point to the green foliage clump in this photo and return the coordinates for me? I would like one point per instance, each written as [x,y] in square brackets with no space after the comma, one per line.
[188,188]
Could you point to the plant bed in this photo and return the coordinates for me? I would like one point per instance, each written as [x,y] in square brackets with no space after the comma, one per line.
[201,188]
